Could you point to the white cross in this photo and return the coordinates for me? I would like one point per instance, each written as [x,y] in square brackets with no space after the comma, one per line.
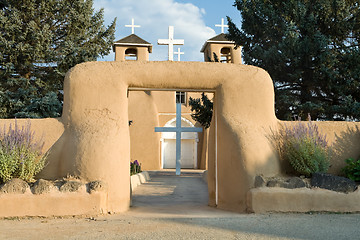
[222,25]
[178,129]
[171,42]
[133,26]
[179,54]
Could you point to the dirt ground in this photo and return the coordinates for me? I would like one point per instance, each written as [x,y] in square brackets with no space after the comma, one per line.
[170,207]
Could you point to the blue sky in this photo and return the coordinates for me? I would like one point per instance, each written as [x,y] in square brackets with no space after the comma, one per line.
[194,21]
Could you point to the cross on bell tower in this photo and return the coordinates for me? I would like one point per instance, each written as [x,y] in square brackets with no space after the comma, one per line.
[222,25]
[132,47]
[133,26]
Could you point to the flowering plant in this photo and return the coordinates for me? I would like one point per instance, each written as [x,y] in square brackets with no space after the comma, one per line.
[20,154]
[305,148]
[135,167]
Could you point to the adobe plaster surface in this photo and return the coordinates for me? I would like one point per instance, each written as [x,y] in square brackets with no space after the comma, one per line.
[53,204]
[262,200]
[92,138]
[184,215]
[142,53]
[96,136]
[47,130]
[145,142]
[343,138]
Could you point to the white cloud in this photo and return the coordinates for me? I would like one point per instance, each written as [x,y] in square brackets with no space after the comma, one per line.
[154,17]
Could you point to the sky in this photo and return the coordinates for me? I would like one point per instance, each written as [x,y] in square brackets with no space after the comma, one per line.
[193,20]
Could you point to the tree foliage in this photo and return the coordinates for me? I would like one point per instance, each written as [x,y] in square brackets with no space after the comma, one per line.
[40,40]
[203,110]
[311,51]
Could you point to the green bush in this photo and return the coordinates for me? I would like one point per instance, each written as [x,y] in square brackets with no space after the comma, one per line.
[352,169]
[305,148]
[20,154]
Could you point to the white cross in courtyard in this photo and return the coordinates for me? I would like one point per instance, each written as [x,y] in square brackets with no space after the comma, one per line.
[133,26]
[222,25]
[178,129]
[171,42]
[179,53]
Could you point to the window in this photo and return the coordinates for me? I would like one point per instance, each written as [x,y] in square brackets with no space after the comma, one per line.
[131,54]
[225,55]
[181,97]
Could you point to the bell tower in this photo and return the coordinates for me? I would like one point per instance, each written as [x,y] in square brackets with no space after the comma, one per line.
[132,47]
[220,49]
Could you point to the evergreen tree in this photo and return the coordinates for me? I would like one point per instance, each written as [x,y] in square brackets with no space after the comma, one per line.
[203,110]
[40,40]
[311,51]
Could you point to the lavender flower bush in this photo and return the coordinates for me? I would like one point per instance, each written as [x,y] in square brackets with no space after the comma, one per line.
[20,154]
[135,167]
[305,148]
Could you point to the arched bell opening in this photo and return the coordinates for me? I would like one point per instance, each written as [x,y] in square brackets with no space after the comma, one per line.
[131,54]
[225,55]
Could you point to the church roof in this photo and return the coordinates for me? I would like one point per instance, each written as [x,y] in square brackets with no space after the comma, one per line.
[133,40]
[221,38]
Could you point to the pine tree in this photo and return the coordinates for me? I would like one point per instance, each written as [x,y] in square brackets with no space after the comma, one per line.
[311,51]
[40,40]
[203,110]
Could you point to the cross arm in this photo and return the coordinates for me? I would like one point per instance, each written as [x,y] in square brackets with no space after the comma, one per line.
[191,129]
[178,42]
[172,129]
[163,41]
[165,129]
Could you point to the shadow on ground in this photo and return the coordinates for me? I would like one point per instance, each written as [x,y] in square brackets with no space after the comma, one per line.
[181,201]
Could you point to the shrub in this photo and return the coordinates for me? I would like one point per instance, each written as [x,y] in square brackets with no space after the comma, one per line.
[305,148]
[20,154]
[135,167]
[203,110]
[352,169]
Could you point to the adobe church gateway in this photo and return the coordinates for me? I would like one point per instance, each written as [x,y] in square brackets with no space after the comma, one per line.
[92,138]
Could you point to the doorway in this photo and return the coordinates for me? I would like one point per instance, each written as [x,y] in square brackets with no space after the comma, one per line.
[189,146]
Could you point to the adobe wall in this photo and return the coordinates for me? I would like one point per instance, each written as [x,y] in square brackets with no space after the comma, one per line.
[262,200]
[48,130]
[145,142]
[96,144]
[343,138]
[92,139]
[52,204]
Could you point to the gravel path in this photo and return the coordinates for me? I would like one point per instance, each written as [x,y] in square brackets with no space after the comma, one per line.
[170,207]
